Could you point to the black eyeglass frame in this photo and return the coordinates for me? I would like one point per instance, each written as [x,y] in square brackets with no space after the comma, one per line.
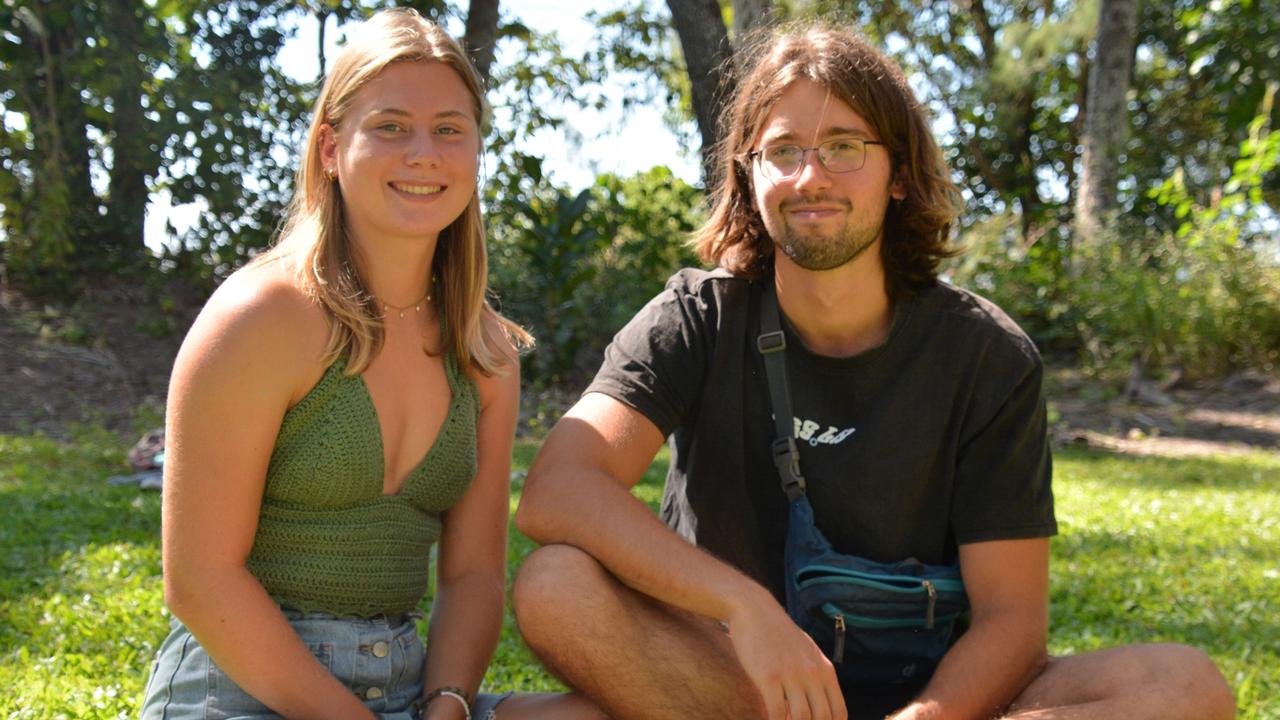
[757,155]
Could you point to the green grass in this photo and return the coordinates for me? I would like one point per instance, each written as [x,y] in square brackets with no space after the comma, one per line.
[1150,550]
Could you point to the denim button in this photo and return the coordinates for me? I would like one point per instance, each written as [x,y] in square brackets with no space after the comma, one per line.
[373,693]
[380,649]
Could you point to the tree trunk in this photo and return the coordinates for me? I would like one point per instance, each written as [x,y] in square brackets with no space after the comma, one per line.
[1106,118]
[131,139]
[322,18]
[749,15]
[1024,174]
[482,35]
[1077,124]
[60,214]
[704,40]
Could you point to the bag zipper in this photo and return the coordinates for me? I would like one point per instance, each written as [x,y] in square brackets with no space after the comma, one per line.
[837,653]
[821,574]
[863,622]
[928,611]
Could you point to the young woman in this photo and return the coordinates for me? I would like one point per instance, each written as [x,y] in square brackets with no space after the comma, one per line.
[342,403]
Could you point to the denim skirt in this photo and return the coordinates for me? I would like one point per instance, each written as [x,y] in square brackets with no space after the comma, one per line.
[380,659]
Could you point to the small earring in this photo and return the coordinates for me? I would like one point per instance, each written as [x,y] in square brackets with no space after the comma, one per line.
[331,174]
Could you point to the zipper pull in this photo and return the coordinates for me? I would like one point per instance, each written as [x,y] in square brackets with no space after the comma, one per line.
[933,598]
[837,653]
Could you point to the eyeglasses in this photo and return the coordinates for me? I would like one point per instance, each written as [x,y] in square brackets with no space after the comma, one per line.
[840,155]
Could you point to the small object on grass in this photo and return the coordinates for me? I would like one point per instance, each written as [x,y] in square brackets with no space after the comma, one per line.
[146,480]
[148,452]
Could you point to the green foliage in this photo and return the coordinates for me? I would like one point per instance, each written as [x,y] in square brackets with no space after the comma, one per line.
[1208,307]
[1028,282]
[525,95]
[549,260]
[574,268]
[639,47]
[1204,296]
[1201,301]
[183,97]
[237,121]
[1203,70]
[1150,550]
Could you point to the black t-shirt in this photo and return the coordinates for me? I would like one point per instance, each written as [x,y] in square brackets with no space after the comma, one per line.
[934,439]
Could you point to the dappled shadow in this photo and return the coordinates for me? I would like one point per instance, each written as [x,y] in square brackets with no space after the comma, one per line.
[1251,428]
[1229,416]
[1164,446]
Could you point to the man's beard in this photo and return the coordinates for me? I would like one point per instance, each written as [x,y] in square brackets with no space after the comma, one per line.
[825,252]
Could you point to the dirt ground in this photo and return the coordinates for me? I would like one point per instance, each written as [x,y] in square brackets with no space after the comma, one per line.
[107,362]
[1235,414]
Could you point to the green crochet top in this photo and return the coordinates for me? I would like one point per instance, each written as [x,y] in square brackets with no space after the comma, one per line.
[328,539]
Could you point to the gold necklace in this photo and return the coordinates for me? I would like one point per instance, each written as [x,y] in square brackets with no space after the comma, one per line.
[417,306]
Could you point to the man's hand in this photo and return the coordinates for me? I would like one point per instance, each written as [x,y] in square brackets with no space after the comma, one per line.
[795,679]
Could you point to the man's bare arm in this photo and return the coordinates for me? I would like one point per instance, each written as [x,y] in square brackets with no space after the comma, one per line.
[578,493]
[1005,646]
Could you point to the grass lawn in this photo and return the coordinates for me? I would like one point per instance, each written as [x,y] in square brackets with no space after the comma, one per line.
[1150,549]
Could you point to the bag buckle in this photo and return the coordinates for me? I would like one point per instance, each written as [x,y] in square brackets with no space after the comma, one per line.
[787,460]
[771,342]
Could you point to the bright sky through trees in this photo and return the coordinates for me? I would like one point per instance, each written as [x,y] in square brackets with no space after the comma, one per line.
[610,143]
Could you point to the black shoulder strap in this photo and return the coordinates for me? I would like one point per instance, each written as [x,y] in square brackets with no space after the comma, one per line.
[772,344]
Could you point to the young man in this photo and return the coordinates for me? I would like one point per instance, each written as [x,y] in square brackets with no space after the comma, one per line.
[919,414]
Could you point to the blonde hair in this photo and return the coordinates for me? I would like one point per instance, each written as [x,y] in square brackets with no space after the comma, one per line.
[315,233]
[917,229]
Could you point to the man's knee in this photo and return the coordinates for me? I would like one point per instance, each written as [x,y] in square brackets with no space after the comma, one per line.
[1191,676]
[551,582]
[1155,673]
[1192,669]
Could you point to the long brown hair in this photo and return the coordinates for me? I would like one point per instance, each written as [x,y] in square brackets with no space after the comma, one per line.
[917,229]
[315,232]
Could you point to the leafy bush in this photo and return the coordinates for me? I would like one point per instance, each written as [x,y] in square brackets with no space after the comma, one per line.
[1029,283]
[1203,303]
[1204,296]
[574,268]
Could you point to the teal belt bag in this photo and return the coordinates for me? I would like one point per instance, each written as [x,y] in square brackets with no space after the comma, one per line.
[879,623]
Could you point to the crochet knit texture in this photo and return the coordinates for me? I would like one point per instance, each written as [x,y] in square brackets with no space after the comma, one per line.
[328,540]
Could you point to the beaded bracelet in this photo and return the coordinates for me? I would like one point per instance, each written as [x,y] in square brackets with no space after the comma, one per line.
[456,693]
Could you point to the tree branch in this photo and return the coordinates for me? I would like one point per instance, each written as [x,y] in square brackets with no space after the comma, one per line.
[704,40]
[482,35]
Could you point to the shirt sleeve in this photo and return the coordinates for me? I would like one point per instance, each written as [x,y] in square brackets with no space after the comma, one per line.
[657,362]
[1003,481]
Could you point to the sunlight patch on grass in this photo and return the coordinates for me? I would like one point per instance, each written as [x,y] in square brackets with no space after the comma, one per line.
[1156,550]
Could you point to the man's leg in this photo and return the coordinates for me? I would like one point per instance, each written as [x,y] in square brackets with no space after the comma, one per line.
[633,656]
[1169,682]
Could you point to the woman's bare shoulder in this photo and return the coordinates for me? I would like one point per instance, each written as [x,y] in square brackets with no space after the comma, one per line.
[261,315]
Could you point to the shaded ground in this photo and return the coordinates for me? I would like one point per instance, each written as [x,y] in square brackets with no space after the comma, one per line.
[1235,414]
[107,361]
